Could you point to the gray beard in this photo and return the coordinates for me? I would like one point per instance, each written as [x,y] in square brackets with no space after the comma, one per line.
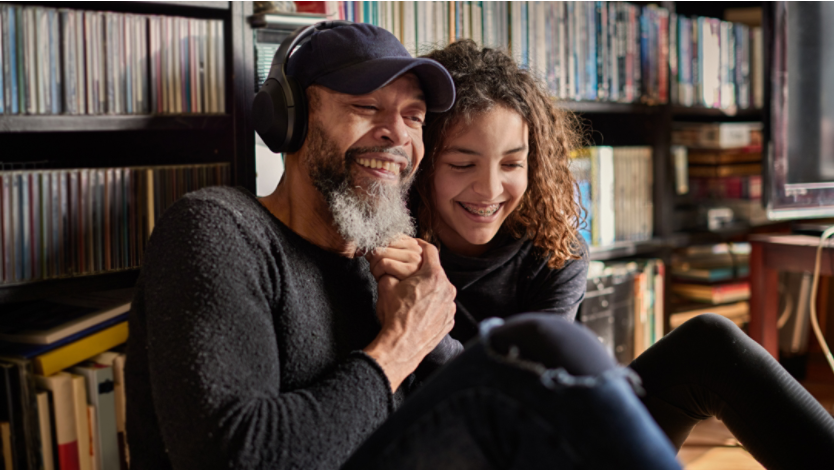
[371,217]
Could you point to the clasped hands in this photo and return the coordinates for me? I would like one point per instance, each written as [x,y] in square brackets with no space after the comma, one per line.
[415,307]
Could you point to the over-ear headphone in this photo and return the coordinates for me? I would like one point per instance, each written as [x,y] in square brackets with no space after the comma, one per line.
[279,110]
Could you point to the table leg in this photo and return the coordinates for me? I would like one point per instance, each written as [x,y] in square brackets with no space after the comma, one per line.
[764,301]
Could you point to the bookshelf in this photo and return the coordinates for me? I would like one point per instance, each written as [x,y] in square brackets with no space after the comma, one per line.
[97,141]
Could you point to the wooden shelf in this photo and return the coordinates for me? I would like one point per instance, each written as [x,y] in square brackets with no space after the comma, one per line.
[210,5]
[625,249]
[602,107]
[69,285]
[105,123]
[698,111]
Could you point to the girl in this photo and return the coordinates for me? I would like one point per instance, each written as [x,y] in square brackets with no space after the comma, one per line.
[495,194]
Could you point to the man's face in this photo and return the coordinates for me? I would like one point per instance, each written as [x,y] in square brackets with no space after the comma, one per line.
[362,153]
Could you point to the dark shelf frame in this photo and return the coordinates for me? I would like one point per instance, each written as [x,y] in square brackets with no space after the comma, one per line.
[114,123]
[626,249]
[604,107]
[682,112]
[68,285]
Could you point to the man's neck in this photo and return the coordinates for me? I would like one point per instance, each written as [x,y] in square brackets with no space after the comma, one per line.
[302,208]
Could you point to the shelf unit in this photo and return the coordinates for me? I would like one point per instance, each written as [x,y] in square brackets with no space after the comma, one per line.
[97,141]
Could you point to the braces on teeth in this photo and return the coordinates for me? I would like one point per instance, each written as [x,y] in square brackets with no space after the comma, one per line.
[483,212]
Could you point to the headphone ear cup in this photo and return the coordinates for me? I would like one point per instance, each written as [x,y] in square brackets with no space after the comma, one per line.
[298,115]
[271,115]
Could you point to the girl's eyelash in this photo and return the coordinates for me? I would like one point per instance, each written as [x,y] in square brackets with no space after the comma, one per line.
[459,167]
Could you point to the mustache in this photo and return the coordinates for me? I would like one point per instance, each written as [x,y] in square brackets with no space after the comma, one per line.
[354,153]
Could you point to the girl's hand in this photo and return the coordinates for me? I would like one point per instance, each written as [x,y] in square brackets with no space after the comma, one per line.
[400,259]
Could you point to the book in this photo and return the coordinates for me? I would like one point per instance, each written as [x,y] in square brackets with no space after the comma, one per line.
[63,411]
[73,353]
[117,362]
[21,407]
[82,422]
[738,312]
[45,428]
[710,275]
[717,135]
[48,321]
[714,294]
[730,187]
[725,156]
[100,394]
[6,440]
[30,351]
[603,229]
[719,171]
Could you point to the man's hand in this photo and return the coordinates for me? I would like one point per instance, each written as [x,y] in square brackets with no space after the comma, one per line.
[400,259]
[416,313]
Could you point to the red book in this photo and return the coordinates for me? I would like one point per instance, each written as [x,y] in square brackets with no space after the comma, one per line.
[63,412]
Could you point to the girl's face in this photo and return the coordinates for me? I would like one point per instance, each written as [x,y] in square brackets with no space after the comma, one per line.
[480,177]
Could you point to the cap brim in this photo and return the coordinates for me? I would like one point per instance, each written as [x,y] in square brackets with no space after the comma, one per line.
[365,77]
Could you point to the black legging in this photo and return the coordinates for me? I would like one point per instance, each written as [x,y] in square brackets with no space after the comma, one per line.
[706,367]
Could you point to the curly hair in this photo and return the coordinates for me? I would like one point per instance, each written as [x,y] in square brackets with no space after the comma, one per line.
[548,213]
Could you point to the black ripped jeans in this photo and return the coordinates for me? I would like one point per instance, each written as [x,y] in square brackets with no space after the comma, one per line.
[706,367]
[709,367]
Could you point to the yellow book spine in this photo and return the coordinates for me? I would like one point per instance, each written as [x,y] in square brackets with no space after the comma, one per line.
[49,363]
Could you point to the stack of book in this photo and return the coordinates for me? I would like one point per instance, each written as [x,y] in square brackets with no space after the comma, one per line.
[57,223]
[711,279]
[63,396]
[624,305]
[716,64]
[62,61]
[615,189]
[724,165]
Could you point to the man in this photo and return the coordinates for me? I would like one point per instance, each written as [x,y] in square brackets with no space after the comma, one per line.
[259,338]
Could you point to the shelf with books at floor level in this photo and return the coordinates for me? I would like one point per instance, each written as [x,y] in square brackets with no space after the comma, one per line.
[92,156]
[711,279]
[63,386]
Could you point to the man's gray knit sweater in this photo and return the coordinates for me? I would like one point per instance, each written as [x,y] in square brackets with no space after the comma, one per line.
[245,344]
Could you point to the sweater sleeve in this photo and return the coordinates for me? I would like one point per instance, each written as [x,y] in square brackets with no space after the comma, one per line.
[560,290]
[213,356]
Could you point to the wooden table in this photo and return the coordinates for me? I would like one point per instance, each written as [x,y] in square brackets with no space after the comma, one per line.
[771,254]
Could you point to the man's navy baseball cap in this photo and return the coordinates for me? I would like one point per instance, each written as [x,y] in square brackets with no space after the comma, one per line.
[359,58]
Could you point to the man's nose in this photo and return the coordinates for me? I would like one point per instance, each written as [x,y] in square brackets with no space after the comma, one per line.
[392,130]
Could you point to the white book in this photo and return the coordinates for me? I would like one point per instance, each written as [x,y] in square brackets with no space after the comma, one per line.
[82,422]
[397,18]
[478,22]
[421,27]
[221,68]
[539,59]
[409,27]
[602,184]
[63,411]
